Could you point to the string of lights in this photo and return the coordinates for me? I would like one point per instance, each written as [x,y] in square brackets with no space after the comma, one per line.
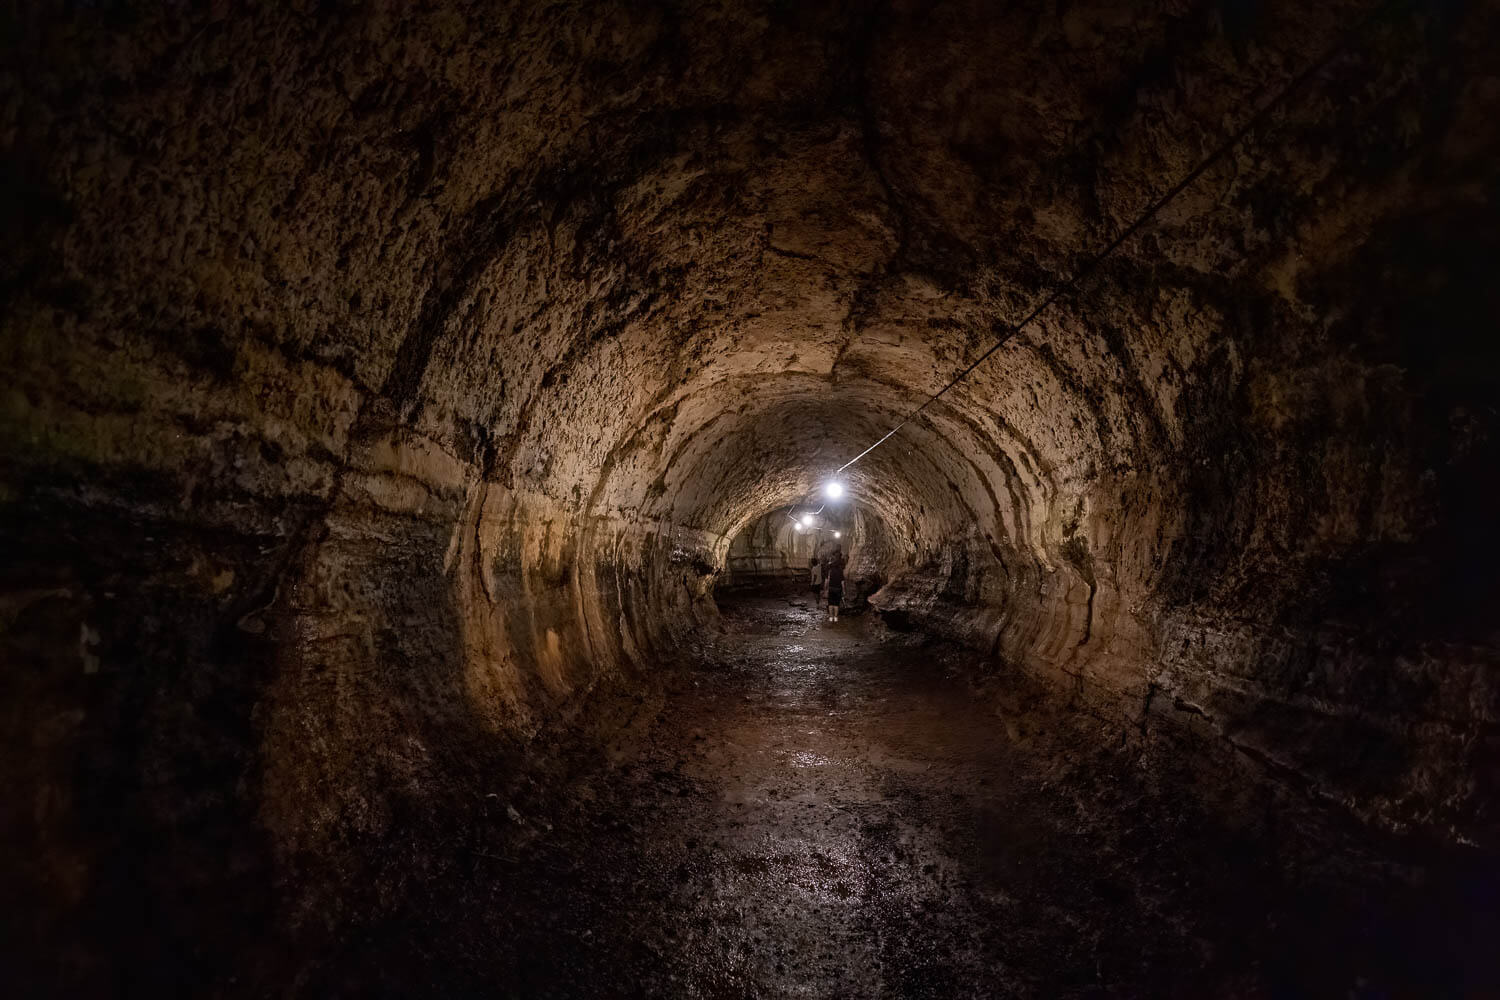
[833,489]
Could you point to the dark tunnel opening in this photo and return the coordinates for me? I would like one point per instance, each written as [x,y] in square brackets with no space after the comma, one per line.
[409,413]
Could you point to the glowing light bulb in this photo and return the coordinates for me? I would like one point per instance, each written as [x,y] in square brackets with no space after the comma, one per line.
[834,490]
[837,535]
[807,520]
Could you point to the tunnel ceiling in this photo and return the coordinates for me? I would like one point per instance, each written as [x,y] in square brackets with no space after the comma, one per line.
[751,236]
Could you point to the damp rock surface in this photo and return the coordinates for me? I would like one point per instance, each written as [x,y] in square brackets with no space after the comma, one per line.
[836,810]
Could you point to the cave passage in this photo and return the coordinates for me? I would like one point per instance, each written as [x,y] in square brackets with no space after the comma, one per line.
[838,810]
[409,411]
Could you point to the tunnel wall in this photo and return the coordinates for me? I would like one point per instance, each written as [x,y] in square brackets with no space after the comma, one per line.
[1295,571]
[194,705]
[772,546]
[768,547]
[287,581]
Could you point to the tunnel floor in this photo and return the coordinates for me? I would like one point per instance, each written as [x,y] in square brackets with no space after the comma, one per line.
[837,811]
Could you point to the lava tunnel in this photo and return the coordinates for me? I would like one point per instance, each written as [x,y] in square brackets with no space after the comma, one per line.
[411,413]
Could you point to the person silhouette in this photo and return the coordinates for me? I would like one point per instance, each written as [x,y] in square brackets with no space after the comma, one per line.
[833,573]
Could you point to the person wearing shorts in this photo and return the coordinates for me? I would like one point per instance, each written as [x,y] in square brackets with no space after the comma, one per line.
[833,573]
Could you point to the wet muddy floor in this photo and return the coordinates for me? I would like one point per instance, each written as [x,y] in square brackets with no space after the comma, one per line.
[828,810]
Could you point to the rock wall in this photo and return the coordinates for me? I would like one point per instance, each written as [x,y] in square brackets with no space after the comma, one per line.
[195,707]
[771,546]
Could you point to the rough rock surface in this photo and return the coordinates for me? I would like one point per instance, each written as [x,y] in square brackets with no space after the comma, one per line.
[774,546]
[838,811]
[384,386]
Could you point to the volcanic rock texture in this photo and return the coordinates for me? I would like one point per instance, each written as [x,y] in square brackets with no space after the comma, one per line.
[384,383]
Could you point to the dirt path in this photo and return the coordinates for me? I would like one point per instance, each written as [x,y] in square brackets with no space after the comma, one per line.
[830,811]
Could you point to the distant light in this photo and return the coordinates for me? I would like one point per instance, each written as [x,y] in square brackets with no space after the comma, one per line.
[807,520]
[837,535]
[834,490]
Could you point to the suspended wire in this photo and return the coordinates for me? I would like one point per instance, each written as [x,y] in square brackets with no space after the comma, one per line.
[1296,83]
[791,512]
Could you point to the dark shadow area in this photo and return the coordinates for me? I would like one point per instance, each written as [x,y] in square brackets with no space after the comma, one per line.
[131,754]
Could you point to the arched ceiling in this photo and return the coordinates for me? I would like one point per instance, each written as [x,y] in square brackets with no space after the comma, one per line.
[679,263]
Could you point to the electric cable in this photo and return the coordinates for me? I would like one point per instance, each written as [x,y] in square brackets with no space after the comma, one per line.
[1297,82]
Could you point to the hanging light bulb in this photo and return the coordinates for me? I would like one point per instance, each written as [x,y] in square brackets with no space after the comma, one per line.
[834,490]
[807,520]
[837,535]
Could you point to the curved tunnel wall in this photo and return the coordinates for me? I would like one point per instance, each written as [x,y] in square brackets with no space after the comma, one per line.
[774,546]
[382,380]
